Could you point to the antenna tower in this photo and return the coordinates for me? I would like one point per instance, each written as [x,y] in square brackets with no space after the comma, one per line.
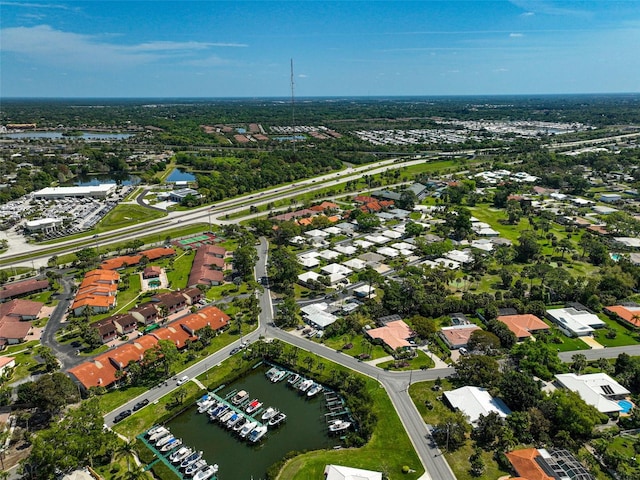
[293,112]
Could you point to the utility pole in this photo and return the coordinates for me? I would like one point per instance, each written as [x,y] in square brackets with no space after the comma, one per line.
[293,115]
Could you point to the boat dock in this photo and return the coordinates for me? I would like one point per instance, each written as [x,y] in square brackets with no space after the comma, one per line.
[164,457]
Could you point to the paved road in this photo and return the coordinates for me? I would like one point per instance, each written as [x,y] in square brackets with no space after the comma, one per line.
[64,353]
[596,353]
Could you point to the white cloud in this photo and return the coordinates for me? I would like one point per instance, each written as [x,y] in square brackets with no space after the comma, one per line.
[57,47]
[516,35]
[527,14]
[210,61]
[302,75]
[34,5]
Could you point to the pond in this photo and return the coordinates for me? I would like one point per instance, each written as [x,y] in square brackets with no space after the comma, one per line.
[304,429]
[180,175]
[97,179]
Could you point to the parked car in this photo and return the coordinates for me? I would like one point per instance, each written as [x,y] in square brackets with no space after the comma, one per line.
[121,416]
[140,404]
[234,350]
[184,379]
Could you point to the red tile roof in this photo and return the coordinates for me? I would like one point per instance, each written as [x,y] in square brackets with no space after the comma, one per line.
[20,308]
[14,330]
[126,353]
[201,271]
[630,315]
[394,334]
[523,325]
[98,372]
[525,465]
[152,254]
[173,332]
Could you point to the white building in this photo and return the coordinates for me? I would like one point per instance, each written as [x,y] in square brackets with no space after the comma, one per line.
[43,224]
[596,389]
[575,323]
[338,472]
[98,191]
[476,401]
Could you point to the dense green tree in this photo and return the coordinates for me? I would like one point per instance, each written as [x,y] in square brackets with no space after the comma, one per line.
[283,268]
[527,247]
[538,358]
[483,342]
[451,431]
[288,313]
[244,260]
[519,390]
[477,370]
[488,430]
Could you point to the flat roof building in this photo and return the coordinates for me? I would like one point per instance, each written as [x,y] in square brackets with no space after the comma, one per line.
[575,323]
[476,401]
[596,389]
[96,191]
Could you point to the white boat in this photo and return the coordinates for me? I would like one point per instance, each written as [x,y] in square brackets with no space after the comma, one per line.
[215,408]
[164,440]
[205,398]
[180,454]
[230,421]
[254,405]
[193,458]
[161,432]
[222,411]
[314,390]
[246,428]
[208,472]
[238,426]
[240,397]
[277,419]
[176,442]
[257,433]
[192,469]
[271,372]
[293,379]
[225,418]
[206,405]
[279,375]
[339,425]
[268,413]
[305,385]
[153,430]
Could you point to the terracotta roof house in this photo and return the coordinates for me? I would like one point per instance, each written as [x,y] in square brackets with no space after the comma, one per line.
[99,304]
[13,332]
[209,316]
[523,326]
[97,290]
[98,372]
[174,333]
[157,253]
[25,287]
[324,206]
[458,335]
[129,352]
[129,260]
[551,464]
[5,364]
[146,313]
[152,272]
[629,314]
[207,263]
[393,334]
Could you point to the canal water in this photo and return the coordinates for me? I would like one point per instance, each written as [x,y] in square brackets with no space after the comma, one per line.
[305,429]
[180,175]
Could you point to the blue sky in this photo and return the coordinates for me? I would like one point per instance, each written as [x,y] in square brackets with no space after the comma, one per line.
[350,48]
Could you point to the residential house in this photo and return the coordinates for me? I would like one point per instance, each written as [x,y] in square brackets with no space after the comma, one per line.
[6,364]
[596,389]
[475,401]
[339,472]
[457,336]
[395,335]
[146,313]
[106,329]
[22,288]
[173,301]
[151,272]
[523,326]
[14,320]
[573,322]
[629,314]
[207,266]
[542,464]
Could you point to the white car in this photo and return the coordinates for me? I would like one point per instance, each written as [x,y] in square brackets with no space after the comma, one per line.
[183,380]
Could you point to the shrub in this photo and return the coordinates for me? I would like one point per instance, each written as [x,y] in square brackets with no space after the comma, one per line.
[405,469]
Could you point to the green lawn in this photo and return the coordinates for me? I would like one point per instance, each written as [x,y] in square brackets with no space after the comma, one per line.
[624,336]
[420,361]
[359,345]
[124,215]
[178,274]
[458,460]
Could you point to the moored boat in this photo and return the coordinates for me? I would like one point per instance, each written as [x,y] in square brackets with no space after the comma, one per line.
[205,398]
[180,454]
[271,372]
[314,390]
[257,433]
[305,385]
[161,432]
[153,430]
[164,440]
[206,405]
[246,428]
[268,413]
[293,379]
[208,472]
[222,411]
[277,419]
[240,397]
[230,421]
[225,418]
[254,405]
[193,458]
[339,425]
[192,469]
[238,426]
[175,443]
[279,375]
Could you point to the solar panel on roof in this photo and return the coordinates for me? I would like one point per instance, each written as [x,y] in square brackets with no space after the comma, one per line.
[607,389]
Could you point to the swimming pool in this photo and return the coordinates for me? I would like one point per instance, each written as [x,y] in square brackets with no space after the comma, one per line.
[626,406]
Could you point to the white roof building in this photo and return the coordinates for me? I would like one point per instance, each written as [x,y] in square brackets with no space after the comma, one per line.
[333,231]
[392,234]
[43,224]
[364,244]
[338,472]
[316,233]
[476,401]
[403,246]
[631,242]
[309,262]
[336,268]
[316,315]
[102,190]
[306,276]
[328,254]
[346,249]
[388,252]
[596,389]
[355,264]
[460,256]
[378,239]
[575,323]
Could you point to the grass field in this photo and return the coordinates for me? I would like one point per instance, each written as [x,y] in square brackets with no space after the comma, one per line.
[178,275]
[124,215]
[360,345]
[420,361]
[624,336]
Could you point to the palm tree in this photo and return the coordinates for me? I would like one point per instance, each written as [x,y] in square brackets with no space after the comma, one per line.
[126,450]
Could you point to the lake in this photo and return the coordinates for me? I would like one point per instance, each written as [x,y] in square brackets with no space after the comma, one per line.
[58,135]
[305,429]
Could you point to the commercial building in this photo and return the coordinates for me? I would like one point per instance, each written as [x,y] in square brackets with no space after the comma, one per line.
[43,225]
[96,191]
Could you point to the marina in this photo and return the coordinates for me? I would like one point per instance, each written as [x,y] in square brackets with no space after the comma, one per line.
[300,423]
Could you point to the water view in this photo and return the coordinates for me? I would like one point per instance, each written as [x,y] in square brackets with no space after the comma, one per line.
[120,179]
[304,429]
[58,135]
[180,175]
